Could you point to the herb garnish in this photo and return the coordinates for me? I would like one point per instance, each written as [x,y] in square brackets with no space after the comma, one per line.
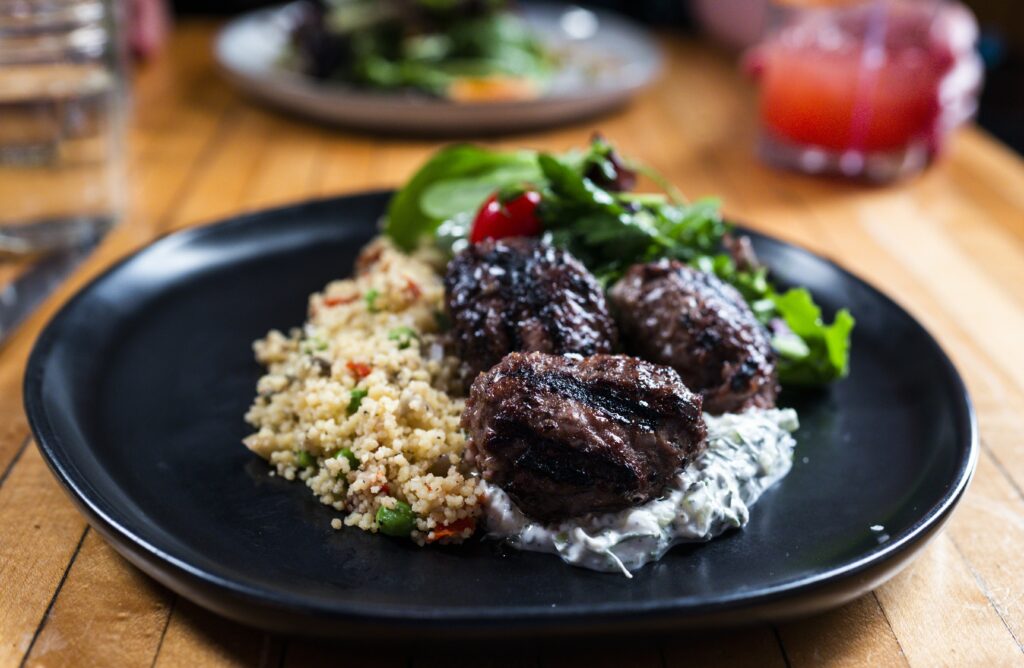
[583,208]
[355,400]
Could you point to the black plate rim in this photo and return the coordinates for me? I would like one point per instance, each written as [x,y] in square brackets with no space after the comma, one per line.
[136,547]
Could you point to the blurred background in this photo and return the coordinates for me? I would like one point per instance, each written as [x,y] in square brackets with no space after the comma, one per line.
[738,23]
[864,90]
[123,111]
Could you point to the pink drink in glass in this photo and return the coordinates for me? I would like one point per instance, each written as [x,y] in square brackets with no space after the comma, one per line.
[868,90]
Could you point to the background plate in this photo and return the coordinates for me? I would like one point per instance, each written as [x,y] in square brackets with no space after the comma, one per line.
[136,392]
[607,60]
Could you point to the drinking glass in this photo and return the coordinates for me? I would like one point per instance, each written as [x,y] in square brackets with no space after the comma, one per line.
[61,124]
[866,89]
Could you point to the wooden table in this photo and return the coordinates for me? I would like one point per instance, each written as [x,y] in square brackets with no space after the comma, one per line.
[948,245]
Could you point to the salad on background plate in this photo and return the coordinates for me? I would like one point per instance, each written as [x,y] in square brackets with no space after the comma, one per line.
[440,67]
[461,50]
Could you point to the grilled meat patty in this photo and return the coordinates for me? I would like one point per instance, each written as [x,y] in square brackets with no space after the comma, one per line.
[672,314]
[522,294]
[565,436]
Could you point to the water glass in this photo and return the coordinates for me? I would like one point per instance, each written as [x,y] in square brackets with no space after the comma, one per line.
[61,124]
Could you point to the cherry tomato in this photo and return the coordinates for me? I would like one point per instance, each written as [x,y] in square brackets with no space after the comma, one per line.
[515,218]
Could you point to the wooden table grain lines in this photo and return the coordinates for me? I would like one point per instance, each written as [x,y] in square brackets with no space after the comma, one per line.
[948,246]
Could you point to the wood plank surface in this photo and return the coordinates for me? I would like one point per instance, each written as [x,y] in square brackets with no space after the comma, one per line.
[948,245]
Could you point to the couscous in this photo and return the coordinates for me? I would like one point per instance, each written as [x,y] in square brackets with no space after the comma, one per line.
[357,403]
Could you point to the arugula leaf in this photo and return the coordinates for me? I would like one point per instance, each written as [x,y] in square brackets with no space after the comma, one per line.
[609,231]
[407,218]
[826,352]
[752,284]
[573,186]
[810,352]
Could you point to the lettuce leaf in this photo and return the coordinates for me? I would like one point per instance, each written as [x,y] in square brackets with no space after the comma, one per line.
[415,211]
[825,353]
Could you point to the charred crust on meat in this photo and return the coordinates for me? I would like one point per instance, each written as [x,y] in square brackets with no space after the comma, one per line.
[702,327]
[522,294]
[566,436]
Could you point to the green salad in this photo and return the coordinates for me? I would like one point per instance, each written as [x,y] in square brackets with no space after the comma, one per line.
[461,49]
[584,201]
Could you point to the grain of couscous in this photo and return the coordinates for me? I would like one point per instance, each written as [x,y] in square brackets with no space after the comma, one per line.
[357,404]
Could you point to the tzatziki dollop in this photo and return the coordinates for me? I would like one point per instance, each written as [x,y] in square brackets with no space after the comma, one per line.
[747,453]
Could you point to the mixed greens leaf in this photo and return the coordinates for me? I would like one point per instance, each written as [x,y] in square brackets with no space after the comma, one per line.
[586,208]
[451,186]
[825,353]
[426,45]
[608,231]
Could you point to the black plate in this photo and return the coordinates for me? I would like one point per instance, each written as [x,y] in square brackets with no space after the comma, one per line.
[136,393]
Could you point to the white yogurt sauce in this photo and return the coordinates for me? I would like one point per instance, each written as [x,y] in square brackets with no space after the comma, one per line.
[747,453]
